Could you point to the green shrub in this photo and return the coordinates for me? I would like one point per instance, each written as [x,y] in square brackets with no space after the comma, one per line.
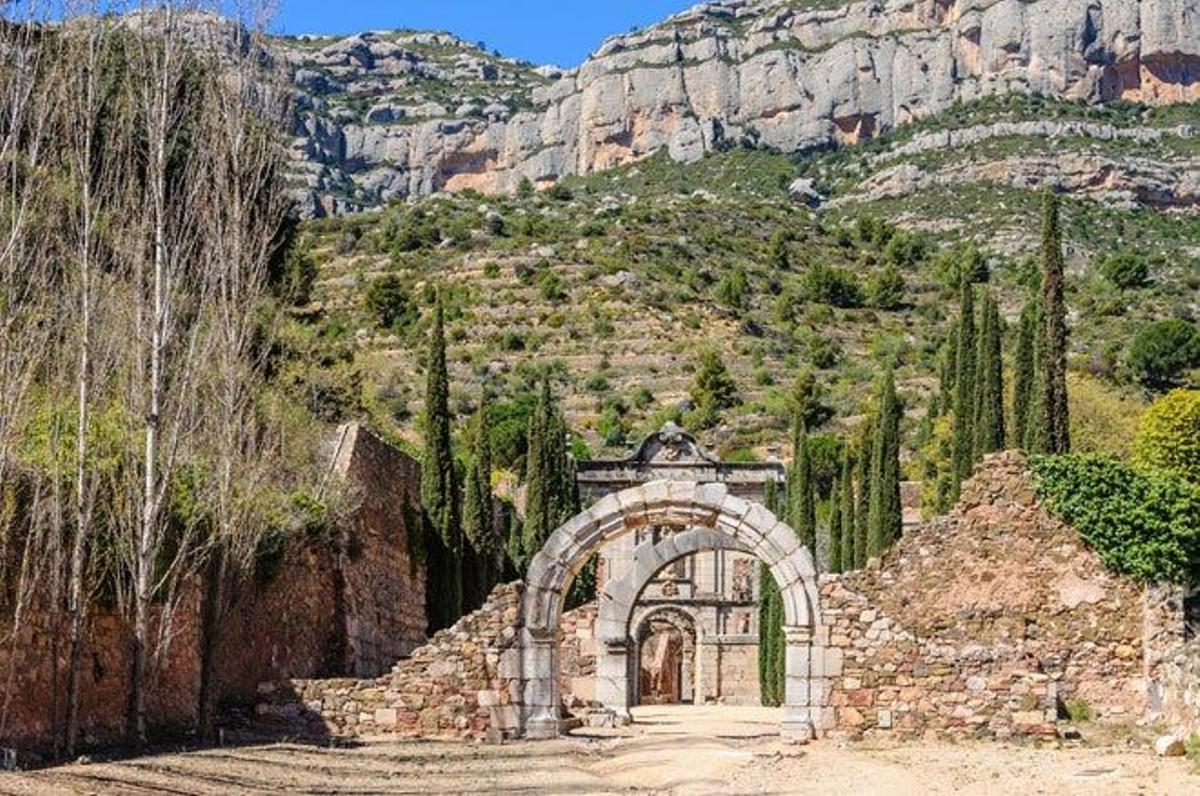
[391,303]
[1078,710]
[1168,437]
[830,285]
[1143,525]
[1125,270]
[1162,350]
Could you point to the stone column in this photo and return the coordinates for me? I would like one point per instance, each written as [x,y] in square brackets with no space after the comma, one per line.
[799,699]
[612,677]
[539,661]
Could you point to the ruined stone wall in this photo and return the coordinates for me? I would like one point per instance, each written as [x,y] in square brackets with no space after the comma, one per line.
[460,685]
[985,622]
[33,663]
[577,655]
[383,588]
[325,612]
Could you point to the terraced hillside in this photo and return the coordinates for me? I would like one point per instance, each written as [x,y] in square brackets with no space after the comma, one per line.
[619,280]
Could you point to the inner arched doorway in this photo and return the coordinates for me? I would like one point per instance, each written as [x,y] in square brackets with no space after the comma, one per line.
[665,657]
[708,518]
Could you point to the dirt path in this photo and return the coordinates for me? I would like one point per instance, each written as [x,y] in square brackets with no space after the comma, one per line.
[669,750]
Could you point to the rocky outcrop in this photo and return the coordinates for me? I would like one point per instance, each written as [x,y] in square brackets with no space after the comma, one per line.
[786,74]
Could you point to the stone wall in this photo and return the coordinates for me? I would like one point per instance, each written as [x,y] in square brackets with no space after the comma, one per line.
[459,685]
[326,612]
[577,656]
[985,622]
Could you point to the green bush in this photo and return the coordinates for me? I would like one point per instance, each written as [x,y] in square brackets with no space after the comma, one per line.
[1162,350]
[830,285]
[1143,525]
[391,303]
[1168,437]
[1125,270]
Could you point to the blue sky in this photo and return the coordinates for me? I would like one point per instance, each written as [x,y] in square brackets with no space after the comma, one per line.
[560,32]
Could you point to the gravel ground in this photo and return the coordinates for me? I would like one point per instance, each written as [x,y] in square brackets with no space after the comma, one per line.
[675,750]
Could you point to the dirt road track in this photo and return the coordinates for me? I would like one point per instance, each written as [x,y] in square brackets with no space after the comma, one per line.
[670,750]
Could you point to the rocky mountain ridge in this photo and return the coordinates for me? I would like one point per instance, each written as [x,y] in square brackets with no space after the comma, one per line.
[387,115]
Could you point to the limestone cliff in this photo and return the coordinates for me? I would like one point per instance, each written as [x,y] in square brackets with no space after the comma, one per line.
[789,74]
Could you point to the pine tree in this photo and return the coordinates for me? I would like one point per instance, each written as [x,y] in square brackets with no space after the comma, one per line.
[862,507]
[439,489]
[483,567]
[845,517]
[989,382]
[801,508]
[964,389]
[1024,369]
[885,518]
[835,526]
[1055,434]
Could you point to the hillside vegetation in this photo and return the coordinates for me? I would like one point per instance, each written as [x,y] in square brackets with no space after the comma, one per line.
[618,281]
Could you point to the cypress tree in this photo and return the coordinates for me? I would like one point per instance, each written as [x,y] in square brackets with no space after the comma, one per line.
[989,382]
[1055,433]
[862,507]
[439,489]
[801,508]
[482,569]
[771,642]
[1024,368]
[885,518]
[550,497]
[963,459]
[949,368]
[845,517]
[835,526]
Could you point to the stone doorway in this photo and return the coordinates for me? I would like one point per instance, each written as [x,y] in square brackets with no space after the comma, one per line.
[706,517]
[666,644]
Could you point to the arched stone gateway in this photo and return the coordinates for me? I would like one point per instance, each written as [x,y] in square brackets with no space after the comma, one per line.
[708,518]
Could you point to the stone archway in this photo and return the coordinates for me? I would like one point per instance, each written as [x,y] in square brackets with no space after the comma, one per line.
[666,642]
[713,519]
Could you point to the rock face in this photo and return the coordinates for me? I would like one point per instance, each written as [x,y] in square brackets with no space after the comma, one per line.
[427,112]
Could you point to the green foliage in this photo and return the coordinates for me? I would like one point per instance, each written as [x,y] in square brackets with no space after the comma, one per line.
[1078,710]
[835,528]
[733,290]
[389,300]
[551,496]
[771,641]
[1144,525]
[1125,270]
[1168,438]
[845,516]
[1103,419]
[1161,351]
[964,389]
[989,381]
[712,391]
[1054,432]
[963,263]
[800,493]
[1025,375]
[828,284]
[483,559]
[885,289]
[524,188]
[885,519]
[442,551]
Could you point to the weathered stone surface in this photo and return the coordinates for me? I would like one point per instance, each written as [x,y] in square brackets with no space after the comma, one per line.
[1170,746]
[784,76]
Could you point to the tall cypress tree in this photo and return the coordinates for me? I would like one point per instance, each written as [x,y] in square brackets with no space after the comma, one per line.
[1024,369]
[862,505]
[964,389]
[801,504]
[989,382]
[947,373]
[886,519]
[771,642]
[439,489]
[1055,433]
[550,497]
[845,517]
[835,526]
[483,559]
